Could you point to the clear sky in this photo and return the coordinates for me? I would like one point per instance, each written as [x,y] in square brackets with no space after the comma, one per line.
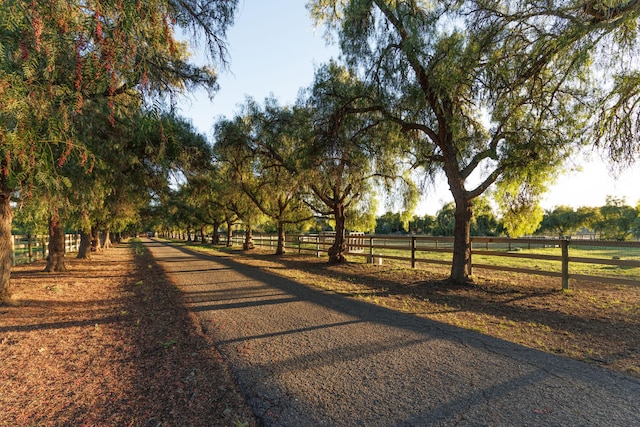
[274,50]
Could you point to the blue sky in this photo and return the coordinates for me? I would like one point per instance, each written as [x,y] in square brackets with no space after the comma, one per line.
[274,49]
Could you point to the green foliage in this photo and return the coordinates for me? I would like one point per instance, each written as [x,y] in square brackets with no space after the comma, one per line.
[361,216]
[484,221]
[422,225]
[445,223]
[563,220]
[259,156]
[72,75]
[518,194]
[390,222]
[352,147]
[500,90]
[617,219]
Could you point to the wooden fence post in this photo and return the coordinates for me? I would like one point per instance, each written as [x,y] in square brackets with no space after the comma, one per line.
[565,263]
[470,265]
[371,249]
[13,250]
[30,247]
[413,251]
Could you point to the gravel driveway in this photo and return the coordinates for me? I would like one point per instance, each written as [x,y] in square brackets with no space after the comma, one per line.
[306,357]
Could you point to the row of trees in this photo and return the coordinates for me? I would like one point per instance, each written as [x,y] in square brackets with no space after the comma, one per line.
[492,94]
[85,141]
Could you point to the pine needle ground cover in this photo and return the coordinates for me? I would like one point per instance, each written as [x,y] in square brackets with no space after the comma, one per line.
[109,343]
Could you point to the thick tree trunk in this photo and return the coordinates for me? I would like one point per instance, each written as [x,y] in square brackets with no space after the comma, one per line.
[248,239]
[280,249]
[84,251]
[55,261]
[339,247]
[460,267]
[189,234]
[215,238]
[6,216]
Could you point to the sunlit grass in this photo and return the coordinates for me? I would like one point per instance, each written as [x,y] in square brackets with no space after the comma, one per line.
[399,251]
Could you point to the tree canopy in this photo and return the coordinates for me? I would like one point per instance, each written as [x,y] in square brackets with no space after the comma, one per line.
[62,62]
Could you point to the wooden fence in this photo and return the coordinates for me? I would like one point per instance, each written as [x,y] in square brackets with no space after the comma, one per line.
[589,260]
[26,249]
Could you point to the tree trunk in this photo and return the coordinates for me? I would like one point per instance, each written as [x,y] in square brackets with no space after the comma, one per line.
[229,232]
[96,245]
[30,247]
[6,216]
[461,242]
[55,261]
[107,238]
[339,247]
[203,238]
[189,234]
[248,239]
[84,251]
[215,238]
[280,249]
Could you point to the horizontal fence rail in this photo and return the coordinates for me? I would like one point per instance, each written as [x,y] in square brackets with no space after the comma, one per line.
[608,262]
[27,249]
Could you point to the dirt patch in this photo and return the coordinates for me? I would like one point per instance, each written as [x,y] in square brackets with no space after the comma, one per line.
[592,322]
[109,343]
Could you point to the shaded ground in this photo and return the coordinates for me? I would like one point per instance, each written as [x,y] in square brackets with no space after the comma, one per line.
[592,322]
[109,343]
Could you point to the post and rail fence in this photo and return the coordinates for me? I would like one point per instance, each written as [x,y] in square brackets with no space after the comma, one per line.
[29,248]
[610,262]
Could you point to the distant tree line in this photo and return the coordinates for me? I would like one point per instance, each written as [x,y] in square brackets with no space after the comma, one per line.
[614,221]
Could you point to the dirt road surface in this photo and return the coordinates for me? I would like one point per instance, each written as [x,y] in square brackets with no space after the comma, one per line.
[306,357]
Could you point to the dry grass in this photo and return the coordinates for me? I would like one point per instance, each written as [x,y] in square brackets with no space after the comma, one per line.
[109,343]
[592,322]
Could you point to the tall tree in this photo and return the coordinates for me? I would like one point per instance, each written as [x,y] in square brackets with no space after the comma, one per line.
[352,147]
[495,91]
[261,147]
